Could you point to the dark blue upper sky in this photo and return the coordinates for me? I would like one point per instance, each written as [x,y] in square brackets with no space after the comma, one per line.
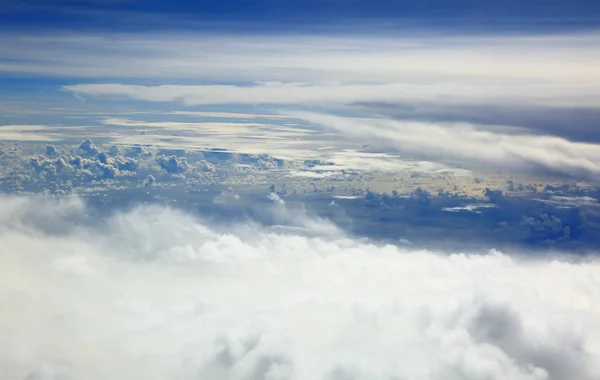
[129,15]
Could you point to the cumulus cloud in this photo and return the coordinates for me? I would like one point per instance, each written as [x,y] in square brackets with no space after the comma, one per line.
[153,293]
[469,143]
[88,147]
[273,197]
[172,164]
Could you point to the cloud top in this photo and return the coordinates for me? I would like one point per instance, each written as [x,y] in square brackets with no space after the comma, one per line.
[153,293]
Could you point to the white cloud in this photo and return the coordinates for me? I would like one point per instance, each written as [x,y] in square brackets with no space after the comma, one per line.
[319,94]
[556,70]
[34,132]
[155,294]
[275,199]
[570,202]
[465,142]
[298,58]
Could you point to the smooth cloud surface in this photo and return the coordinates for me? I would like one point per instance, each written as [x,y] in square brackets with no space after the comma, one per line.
[154,294]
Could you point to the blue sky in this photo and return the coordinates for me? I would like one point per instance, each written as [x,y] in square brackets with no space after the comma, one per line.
[348,15]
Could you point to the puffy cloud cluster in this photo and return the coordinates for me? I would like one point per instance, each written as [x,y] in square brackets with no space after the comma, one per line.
[93,163]
[173,164]
[205,167]
[154,293]
[88,147]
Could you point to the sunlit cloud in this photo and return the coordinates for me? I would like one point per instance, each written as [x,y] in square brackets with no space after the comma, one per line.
[154,293]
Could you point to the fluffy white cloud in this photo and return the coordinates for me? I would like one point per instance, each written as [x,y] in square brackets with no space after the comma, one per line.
[154,294]
[468,143]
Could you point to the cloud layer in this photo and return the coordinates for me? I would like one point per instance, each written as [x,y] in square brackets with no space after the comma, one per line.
[153,293]
[550,70]
[541,84]
[540,71]
[467,143]
[338,94]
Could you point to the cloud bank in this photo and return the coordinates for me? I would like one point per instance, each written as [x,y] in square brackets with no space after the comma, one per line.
[336,94]
[471,144]
[153,293]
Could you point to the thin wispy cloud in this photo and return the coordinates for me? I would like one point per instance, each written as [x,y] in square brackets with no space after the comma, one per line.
[301,58]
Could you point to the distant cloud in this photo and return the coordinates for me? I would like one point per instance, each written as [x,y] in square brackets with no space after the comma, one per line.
[275,199]
[570,202]
[469,143]
[552,70]
[152,293]
[380,58]
[325,94]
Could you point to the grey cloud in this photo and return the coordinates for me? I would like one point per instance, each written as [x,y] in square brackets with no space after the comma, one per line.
[52,215]
[149,181]
[503,328]
[50,150]
[49,370]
